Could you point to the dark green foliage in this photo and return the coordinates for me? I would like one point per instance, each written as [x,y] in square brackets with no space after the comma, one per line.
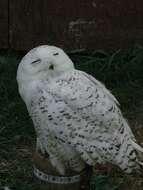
[105,183]
[14,120]
[15,126]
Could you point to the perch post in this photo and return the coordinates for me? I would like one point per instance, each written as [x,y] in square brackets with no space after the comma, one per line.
[47,178]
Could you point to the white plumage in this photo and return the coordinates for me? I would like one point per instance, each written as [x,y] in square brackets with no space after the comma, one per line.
[77,120]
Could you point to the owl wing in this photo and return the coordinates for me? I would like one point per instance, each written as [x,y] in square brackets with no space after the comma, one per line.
[101,86]
[81,113]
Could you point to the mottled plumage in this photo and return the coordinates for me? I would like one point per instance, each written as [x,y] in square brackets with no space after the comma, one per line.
[77,120]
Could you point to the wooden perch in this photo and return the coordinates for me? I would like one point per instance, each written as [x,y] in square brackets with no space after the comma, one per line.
[47,178]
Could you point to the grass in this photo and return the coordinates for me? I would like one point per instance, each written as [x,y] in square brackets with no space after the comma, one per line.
[121,71]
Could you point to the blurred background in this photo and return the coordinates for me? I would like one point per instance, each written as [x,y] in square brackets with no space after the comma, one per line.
[76,24]
[103,38]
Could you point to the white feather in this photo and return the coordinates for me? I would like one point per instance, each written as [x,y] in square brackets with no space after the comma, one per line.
[136,146]
[6,188]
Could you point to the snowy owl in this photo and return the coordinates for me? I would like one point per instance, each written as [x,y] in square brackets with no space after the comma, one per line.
[77,120]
